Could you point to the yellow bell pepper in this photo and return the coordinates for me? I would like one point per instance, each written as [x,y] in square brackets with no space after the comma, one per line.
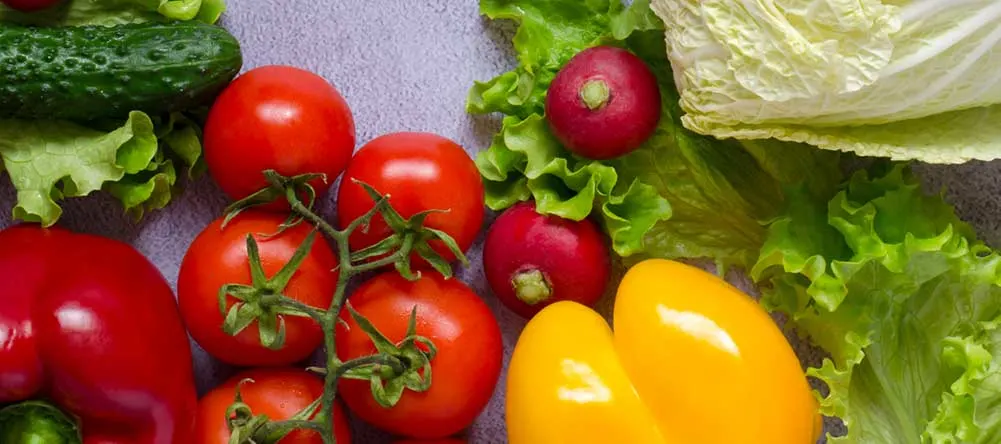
[692,360]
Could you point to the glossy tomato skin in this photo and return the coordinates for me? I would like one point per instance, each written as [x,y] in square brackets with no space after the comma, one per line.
[464,372]
[281,118]
[279,393]
[420,172]
[89,317]
[30,5]
[218,256]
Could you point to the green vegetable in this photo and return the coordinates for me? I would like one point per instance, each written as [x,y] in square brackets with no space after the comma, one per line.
[138,158]
[88,73]
[36,422]
[906,300]
[117,12]
[679,195]
[884,277]
[49,160]
[902,79]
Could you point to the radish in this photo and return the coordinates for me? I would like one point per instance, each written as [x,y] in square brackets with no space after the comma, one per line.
[604,103]
[532,260]
[30,5]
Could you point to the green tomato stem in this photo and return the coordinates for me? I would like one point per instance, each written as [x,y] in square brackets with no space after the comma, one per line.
[328,320]
[402,360]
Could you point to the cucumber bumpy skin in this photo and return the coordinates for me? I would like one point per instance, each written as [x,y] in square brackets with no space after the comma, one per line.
[89,73]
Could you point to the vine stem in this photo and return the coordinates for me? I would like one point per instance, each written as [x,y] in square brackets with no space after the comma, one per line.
[322,422]
[328,319]
[391,360]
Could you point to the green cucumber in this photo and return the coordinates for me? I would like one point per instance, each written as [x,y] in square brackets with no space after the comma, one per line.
[95,72]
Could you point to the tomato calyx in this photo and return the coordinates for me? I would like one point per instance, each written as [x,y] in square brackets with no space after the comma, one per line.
[394,368]
[246,427]
[409,234]
[413,371]
[279,188]
[261,301]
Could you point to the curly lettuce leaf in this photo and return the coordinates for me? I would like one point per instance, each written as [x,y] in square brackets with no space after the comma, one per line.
[50,160]
[679,195]
[526,161]
[137,161]
[902,79]
[907,302]
[117,12]
[154,187]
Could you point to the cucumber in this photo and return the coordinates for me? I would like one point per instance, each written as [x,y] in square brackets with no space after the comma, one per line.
[90,73]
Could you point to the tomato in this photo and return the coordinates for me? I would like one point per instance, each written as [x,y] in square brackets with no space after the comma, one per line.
[464,372]
[280,118]
[421,172]
[279,393]
[30,5]
[218,257]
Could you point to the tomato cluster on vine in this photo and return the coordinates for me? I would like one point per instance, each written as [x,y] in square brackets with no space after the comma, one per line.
[412,350]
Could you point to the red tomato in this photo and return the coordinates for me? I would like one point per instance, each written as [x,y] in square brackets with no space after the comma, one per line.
[30,5]
[279,393]
[280,118]
[421,172]
[219,256]
[464,372]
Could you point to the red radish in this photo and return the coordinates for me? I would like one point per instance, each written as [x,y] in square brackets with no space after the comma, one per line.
[30,5]
[604,103]
[532,260]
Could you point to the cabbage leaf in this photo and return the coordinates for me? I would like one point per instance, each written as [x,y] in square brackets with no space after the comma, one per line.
[902,79]
[679,195]
[884,277]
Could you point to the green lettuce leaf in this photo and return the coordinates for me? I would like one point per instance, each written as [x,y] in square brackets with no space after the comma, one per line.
[885,278]
[526,161]
[900,79]
[117,12]
[679,195]
[137,161]
[904,298]
[48,161]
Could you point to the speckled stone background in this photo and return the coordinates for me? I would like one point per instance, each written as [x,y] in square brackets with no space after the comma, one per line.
[402,65]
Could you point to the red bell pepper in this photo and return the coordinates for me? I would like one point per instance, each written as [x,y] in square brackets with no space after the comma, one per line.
[91,325]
